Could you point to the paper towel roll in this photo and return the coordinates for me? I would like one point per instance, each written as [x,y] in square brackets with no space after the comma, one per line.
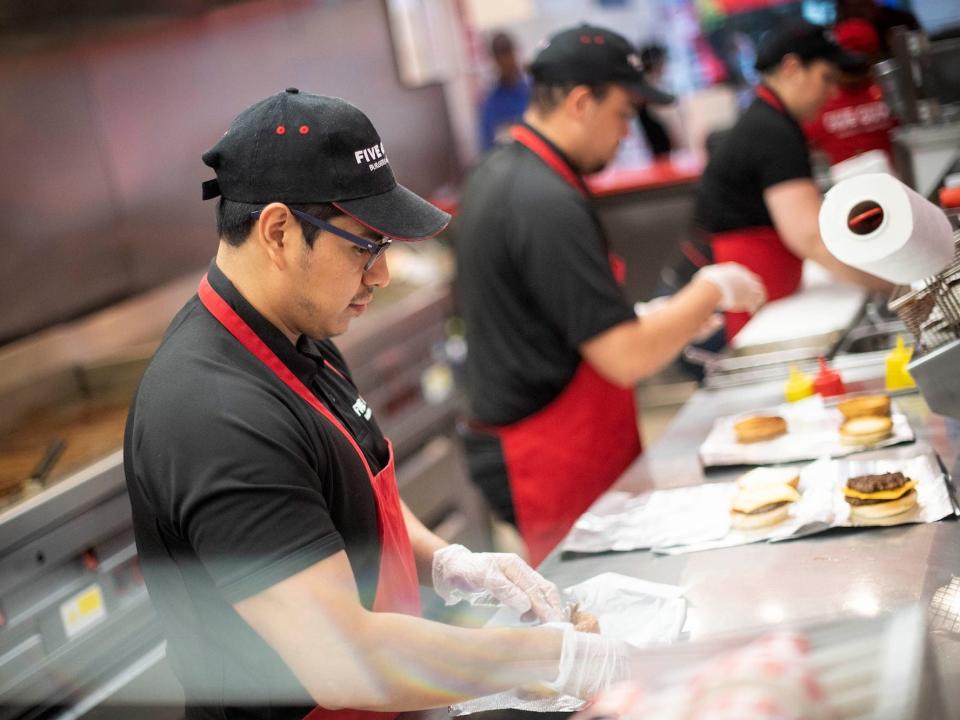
[872,161]
[877,224]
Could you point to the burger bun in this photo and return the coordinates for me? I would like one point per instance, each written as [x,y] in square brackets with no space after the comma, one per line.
[878,513]
[765,476]
[865,430]
[865,406]
[754,521]
[757,428]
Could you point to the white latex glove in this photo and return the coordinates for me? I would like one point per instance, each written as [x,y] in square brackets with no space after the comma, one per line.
[495,579]
[590,663]
[740,289]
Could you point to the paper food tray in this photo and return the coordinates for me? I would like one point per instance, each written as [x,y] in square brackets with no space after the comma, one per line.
[696,518]
[812,432]
[637,611]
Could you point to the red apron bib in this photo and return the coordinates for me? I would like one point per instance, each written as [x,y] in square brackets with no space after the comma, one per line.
[561,458]
[398,589]
[761,250]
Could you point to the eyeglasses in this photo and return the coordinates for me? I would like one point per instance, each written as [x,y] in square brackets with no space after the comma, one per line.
[376,249]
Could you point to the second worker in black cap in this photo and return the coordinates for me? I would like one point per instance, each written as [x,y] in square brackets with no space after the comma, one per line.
[758,201]
[282,563]
[554,347]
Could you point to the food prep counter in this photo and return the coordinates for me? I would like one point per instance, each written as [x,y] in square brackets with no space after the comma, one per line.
[862,572]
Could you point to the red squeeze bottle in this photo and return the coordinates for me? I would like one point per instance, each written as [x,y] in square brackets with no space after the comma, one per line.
[828,382]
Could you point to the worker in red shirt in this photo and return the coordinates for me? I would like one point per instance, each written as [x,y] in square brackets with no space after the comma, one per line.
[856,119]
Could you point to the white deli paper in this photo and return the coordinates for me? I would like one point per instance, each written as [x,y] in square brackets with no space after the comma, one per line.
[812,432]
[913,241]
[706,509]
[637,611]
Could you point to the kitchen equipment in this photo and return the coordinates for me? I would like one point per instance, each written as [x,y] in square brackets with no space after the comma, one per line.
[932,315]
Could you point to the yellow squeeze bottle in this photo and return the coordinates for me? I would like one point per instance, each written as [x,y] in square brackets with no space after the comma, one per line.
[898,377]
[799,385]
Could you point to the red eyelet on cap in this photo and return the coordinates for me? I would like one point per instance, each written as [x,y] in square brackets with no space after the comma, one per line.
[281,129]
[598,39]
[585,39]
[304,129]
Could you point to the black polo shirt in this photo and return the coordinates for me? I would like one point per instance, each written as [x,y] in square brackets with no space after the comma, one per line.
[236,483]
[533,282]
[765,147]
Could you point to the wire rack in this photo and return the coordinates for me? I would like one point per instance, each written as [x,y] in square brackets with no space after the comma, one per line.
[932,313]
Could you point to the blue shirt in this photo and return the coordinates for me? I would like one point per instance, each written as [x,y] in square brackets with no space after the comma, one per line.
[504,105]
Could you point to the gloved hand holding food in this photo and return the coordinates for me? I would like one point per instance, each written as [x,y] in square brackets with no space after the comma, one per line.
[590,663]
[495,579]
[740,289]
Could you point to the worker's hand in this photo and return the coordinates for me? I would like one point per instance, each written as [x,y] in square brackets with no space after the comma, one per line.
[740,289]
[495,579]
[590,663]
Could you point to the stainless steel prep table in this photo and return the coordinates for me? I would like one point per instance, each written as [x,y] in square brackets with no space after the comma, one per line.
[842,572]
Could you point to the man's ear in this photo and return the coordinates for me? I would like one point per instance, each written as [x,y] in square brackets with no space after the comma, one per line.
[789,65]
[578,101]
[275,232]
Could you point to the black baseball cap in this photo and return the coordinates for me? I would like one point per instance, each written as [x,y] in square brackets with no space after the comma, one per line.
[299,148]
[808,42]
[592,55]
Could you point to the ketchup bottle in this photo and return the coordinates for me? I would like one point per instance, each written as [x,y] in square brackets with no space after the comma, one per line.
[828,382]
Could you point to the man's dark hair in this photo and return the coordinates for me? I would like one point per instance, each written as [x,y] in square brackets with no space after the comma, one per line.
[806,62]
[545,98]
[652,55]
[234,220]
[500,44]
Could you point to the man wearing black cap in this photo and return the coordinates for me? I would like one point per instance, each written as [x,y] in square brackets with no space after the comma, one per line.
[275,547]
[757,199]
[554,348]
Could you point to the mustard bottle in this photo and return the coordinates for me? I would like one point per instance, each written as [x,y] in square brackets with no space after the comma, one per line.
[898,377]
[799,385]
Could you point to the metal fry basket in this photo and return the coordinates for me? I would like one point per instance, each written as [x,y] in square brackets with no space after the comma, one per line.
[932,315]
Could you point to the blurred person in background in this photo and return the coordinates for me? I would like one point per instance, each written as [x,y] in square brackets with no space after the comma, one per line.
[284,566]
[506,101]
[856,119]
[881,16]
[757,200]
[654,59]
[554,347]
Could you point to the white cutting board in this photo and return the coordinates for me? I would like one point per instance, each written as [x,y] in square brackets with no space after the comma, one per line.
[822,305]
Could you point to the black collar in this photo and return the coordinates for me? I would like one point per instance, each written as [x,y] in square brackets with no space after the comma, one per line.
[296,358]
[557,151]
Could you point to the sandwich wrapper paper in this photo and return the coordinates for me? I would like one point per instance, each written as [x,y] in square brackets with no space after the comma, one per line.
[694,518]
[637,611]
[812,432]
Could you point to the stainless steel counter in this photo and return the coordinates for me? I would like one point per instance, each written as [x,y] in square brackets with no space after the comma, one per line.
[844,572]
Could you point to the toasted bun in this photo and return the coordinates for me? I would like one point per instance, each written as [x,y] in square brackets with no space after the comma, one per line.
[879,511]
[746,501]
[759,427]
[742,521]
[865,430]
[763,476]
[865,406]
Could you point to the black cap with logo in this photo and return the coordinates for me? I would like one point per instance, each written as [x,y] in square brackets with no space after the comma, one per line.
[300,148]
[806,41]
[592,55]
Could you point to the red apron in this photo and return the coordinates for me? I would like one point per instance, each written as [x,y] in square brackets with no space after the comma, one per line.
[561,458]
[398,589]
[761,250]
